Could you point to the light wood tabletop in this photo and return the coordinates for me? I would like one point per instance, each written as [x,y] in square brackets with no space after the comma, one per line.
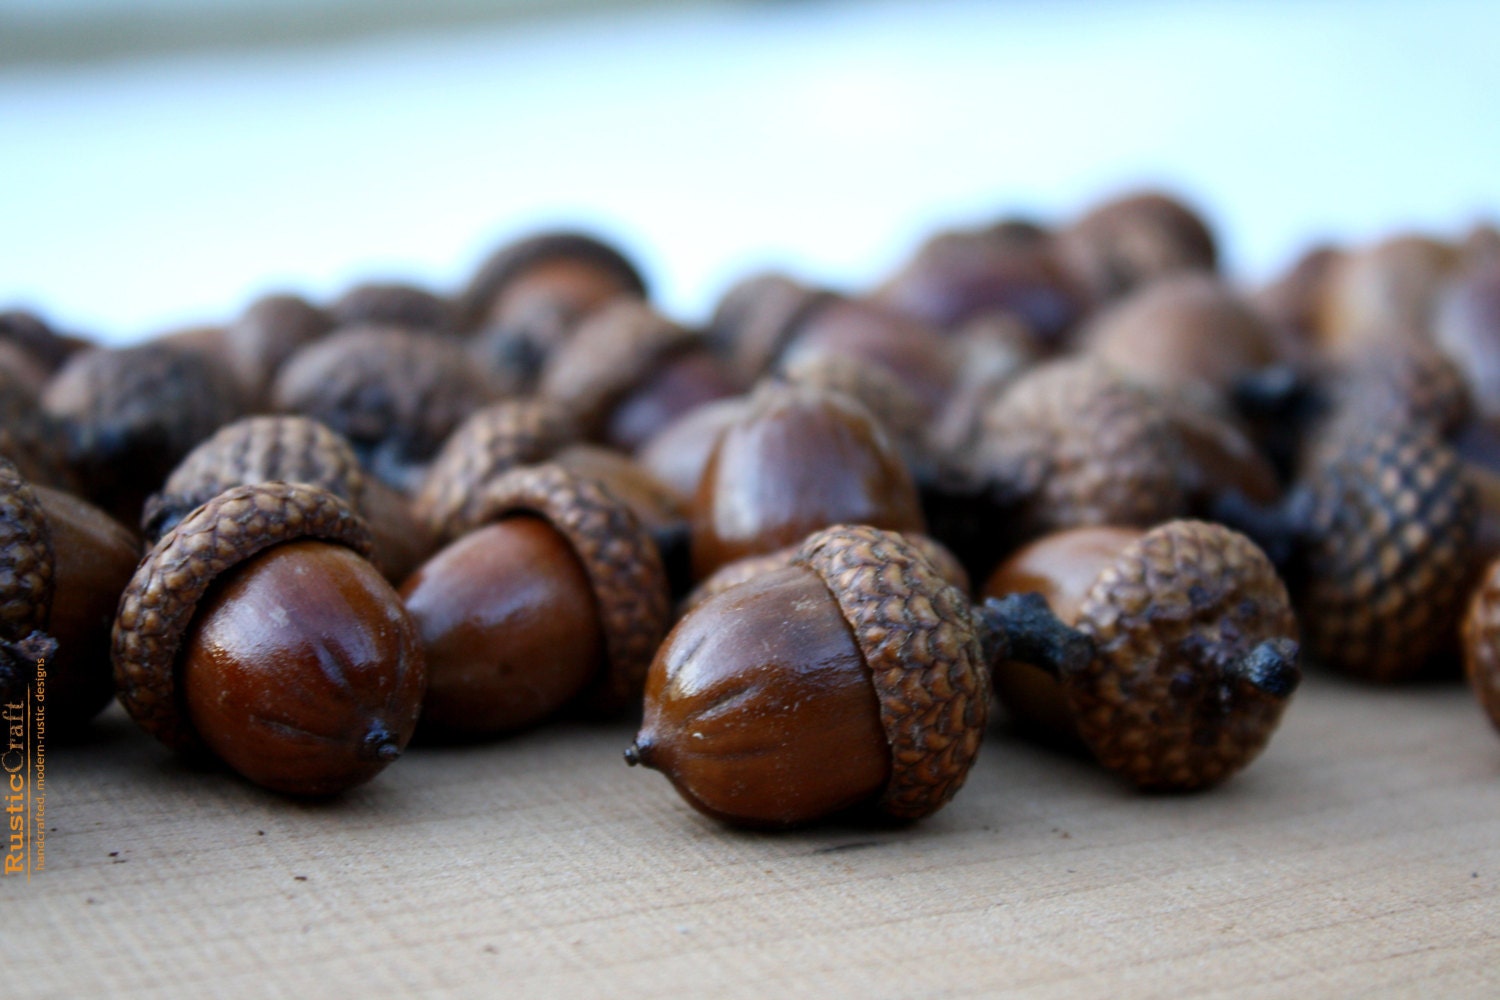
[1361,853]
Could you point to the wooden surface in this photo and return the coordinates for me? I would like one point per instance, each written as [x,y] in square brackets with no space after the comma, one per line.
[1361,853]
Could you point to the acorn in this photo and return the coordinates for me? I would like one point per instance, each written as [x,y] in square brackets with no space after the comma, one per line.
[1185,332]
[297,450]
[1481,642]
[257,631]
[266,334]
[796,460]
[627,371]
[1194,649]
[392,303]
[1388,288]
[852,678]
[1133,240]
[31,438]
[394,394]
[1466,327]
[555,595]
[678,453]
[1292,301]
[1375,540]
[133,413]
[890,401]
[756,317]
[528,296]
[957,276]
[63,564]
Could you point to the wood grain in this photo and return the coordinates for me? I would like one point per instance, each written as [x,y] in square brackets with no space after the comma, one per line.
[1360,854]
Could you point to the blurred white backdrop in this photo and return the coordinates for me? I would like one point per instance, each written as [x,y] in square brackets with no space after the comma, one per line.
[138,194]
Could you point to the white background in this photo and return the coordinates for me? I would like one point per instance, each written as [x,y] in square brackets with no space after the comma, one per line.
[828,138]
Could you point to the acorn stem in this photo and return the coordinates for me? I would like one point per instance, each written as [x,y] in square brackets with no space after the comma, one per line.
[18,659]
[1276,530]
[380,744]
[635,754]
[1022,627]
[1271,668]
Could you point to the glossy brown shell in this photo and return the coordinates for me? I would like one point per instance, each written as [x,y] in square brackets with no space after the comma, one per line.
[490,442]
[510,261]
[610,353]
[1481,635]
[1387,526]
[618,555]
[899,409]
[1160,703]
[257,450]
[1071,443]
[919,640]
[160,601]
[756,319]
[26,558]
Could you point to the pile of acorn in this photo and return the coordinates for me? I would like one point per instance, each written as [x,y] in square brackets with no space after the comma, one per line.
[294,541]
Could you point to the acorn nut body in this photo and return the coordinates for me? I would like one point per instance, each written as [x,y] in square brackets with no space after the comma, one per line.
[256,630]
[851,677]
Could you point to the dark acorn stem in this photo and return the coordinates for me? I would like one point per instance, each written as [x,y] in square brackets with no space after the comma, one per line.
[638,755]
[380,744]
[18,660]
[1277,530]
[1022,627]
[1271,668]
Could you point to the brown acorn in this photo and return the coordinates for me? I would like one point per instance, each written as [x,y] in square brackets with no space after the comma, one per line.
[1132,240]
[266,334]
[528,296]
[63,564]
[1481,642]
[257,631]
[1292,301]
[852,678]
[1376,541]
[31,438]
[1184,332]
[394,394]
[1194,649]
[296,450]
[392,303]
[755,319]
[1466,327]
[890,401]
[1388,288]
[957,276]
[796,460]
[133,413]
[678,453]
[554,595]
[627,371]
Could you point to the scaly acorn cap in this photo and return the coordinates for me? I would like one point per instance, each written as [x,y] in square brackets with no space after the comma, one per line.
[159,603]
[1385,528]
[921,643]
[746,569]
[27,578]
[514,259]
[1481,641]
[611,352]
[618,556]
[1195,657]
[1072,443]
[256,450]
[490,442]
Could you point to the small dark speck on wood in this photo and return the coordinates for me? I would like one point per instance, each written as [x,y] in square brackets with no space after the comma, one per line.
[858,845]
[300,878]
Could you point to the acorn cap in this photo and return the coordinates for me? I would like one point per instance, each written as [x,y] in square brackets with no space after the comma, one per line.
[611,352]
[742,570]
[392,304]
[395,392]
[618,556]
[1481,640]
[1386,525]
[256,450]
[26,557]
[1173,697]
[490,442]
[158,606]
[514,259]
[1071,443]
[1403,380]
[921,644]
